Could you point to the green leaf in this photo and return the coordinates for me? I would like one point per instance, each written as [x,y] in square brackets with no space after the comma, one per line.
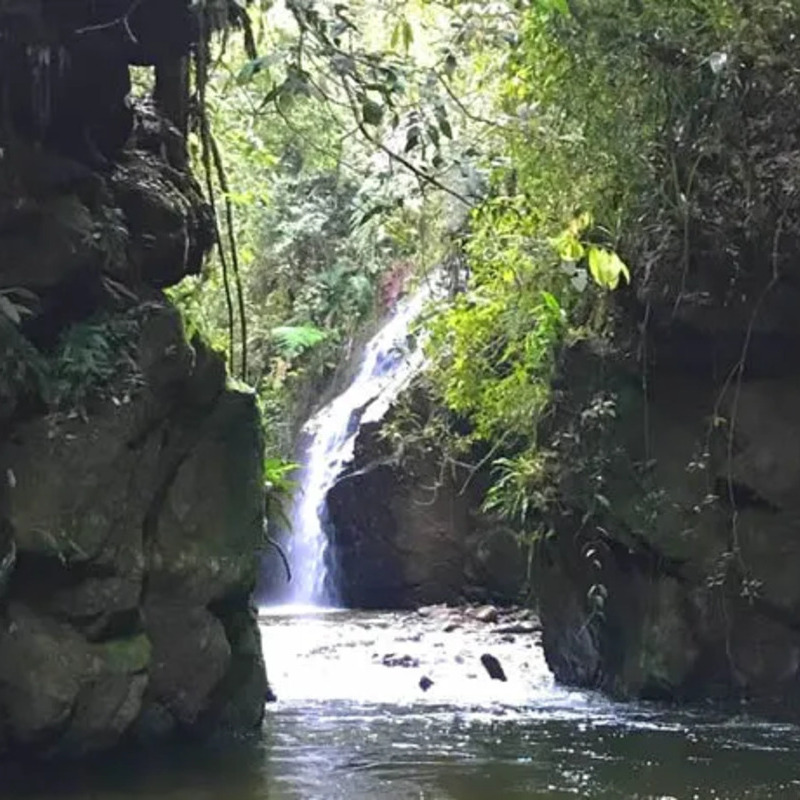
[402,32]
[257,65]
[568,247]
[450,64]
[412,139]
[578,225]
[395,37]
[408,34]
[606,267]
[557,6]
[372,112]
[551,302]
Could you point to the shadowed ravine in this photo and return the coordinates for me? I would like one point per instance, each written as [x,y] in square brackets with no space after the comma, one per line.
[348,727]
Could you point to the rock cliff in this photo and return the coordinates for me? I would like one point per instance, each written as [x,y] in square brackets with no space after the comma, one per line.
[406,531]
[131,502]
[672,572]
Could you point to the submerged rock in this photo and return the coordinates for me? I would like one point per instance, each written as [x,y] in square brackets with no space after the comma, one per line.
[393,660]
[518,628]
[425,683]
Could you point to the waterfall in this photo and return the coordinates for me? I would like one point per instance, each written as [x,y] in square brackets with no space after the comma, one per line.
[387,365]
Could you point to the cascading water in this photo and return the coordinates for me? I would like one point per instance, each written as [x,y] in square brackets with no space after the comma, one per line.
[388,364]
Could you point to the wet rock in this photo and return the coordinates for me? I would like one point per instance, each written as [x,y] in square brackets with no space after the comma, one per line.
[519,628]
[508,637]
[425,683]
[244,689]
[59,690]
[398,545]
[451,626]
[170,225]
[679,619]
[191,656]
[493,667]
[486,614]
[210,521]
[101,508]
[393,660]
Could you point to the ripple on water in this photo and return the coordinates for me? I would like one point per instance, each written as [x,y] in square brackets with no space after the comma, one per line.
[346,727]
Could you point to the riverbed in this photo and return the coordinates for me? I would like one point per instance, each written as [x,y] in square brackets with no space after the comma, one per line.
[355,721]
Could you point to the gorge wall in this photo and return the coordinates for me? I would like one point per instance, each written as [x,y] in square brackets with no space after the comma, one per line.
[672,572]
[131,497]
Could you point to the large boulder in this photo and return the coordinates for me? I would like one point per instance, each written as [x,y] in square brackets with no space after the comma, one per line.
[61,693]
[131,496]
[131,538]
[407,532]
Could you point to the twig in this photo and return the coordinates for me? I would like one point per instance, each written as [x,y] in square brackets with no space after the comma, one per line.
[464,110]
[276,544]
[124,20]
[421,174]
[739,372]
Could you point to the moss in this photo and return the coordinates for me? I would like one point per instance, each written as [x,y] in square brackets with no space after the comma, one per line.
[129,655]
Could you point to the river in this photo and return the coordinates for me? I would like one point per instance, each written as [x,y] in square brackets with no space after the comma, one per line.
[348,727]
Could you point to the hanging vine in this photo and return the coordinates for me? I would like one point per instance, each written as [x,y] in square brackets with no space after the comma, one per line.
[214,170]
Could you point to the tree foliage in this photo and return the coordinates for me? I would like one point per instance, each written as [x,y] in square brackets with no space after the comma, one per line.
[556,151]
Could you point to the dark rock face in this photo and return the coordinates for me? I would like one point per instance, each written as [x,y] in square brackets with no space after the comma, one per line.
[672,576]
[672,572]
[134,534]
[131,501]
[398,542]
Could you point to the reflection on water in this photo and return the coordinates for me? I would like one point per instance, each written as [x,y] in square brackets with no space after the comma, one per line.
[346,726]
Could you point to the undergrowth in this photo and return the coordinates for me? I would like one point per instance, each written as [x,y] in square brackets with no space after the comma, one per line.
[93,361]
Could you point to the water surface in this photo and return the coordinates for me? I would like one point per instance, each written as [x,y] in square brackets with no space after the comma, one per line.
[347,727]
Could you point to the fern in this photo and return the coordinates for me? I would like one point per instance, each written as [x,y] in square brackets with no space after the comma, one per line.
[293,341]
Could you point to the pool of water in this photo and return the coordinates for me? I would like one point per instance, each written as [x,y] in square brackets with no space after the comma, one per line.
[353,723]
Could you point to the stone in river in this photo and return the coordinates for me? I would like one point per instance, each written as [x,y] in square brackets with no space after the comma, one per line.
[486,614]
[393,660]
[493,667]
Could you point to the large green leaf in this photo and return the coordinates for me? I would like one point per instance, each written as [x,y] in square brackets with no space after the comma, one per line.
[606,267]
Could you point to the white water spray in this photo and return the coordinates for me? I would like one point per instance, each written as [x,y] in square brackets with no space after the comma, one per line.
[387,366]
